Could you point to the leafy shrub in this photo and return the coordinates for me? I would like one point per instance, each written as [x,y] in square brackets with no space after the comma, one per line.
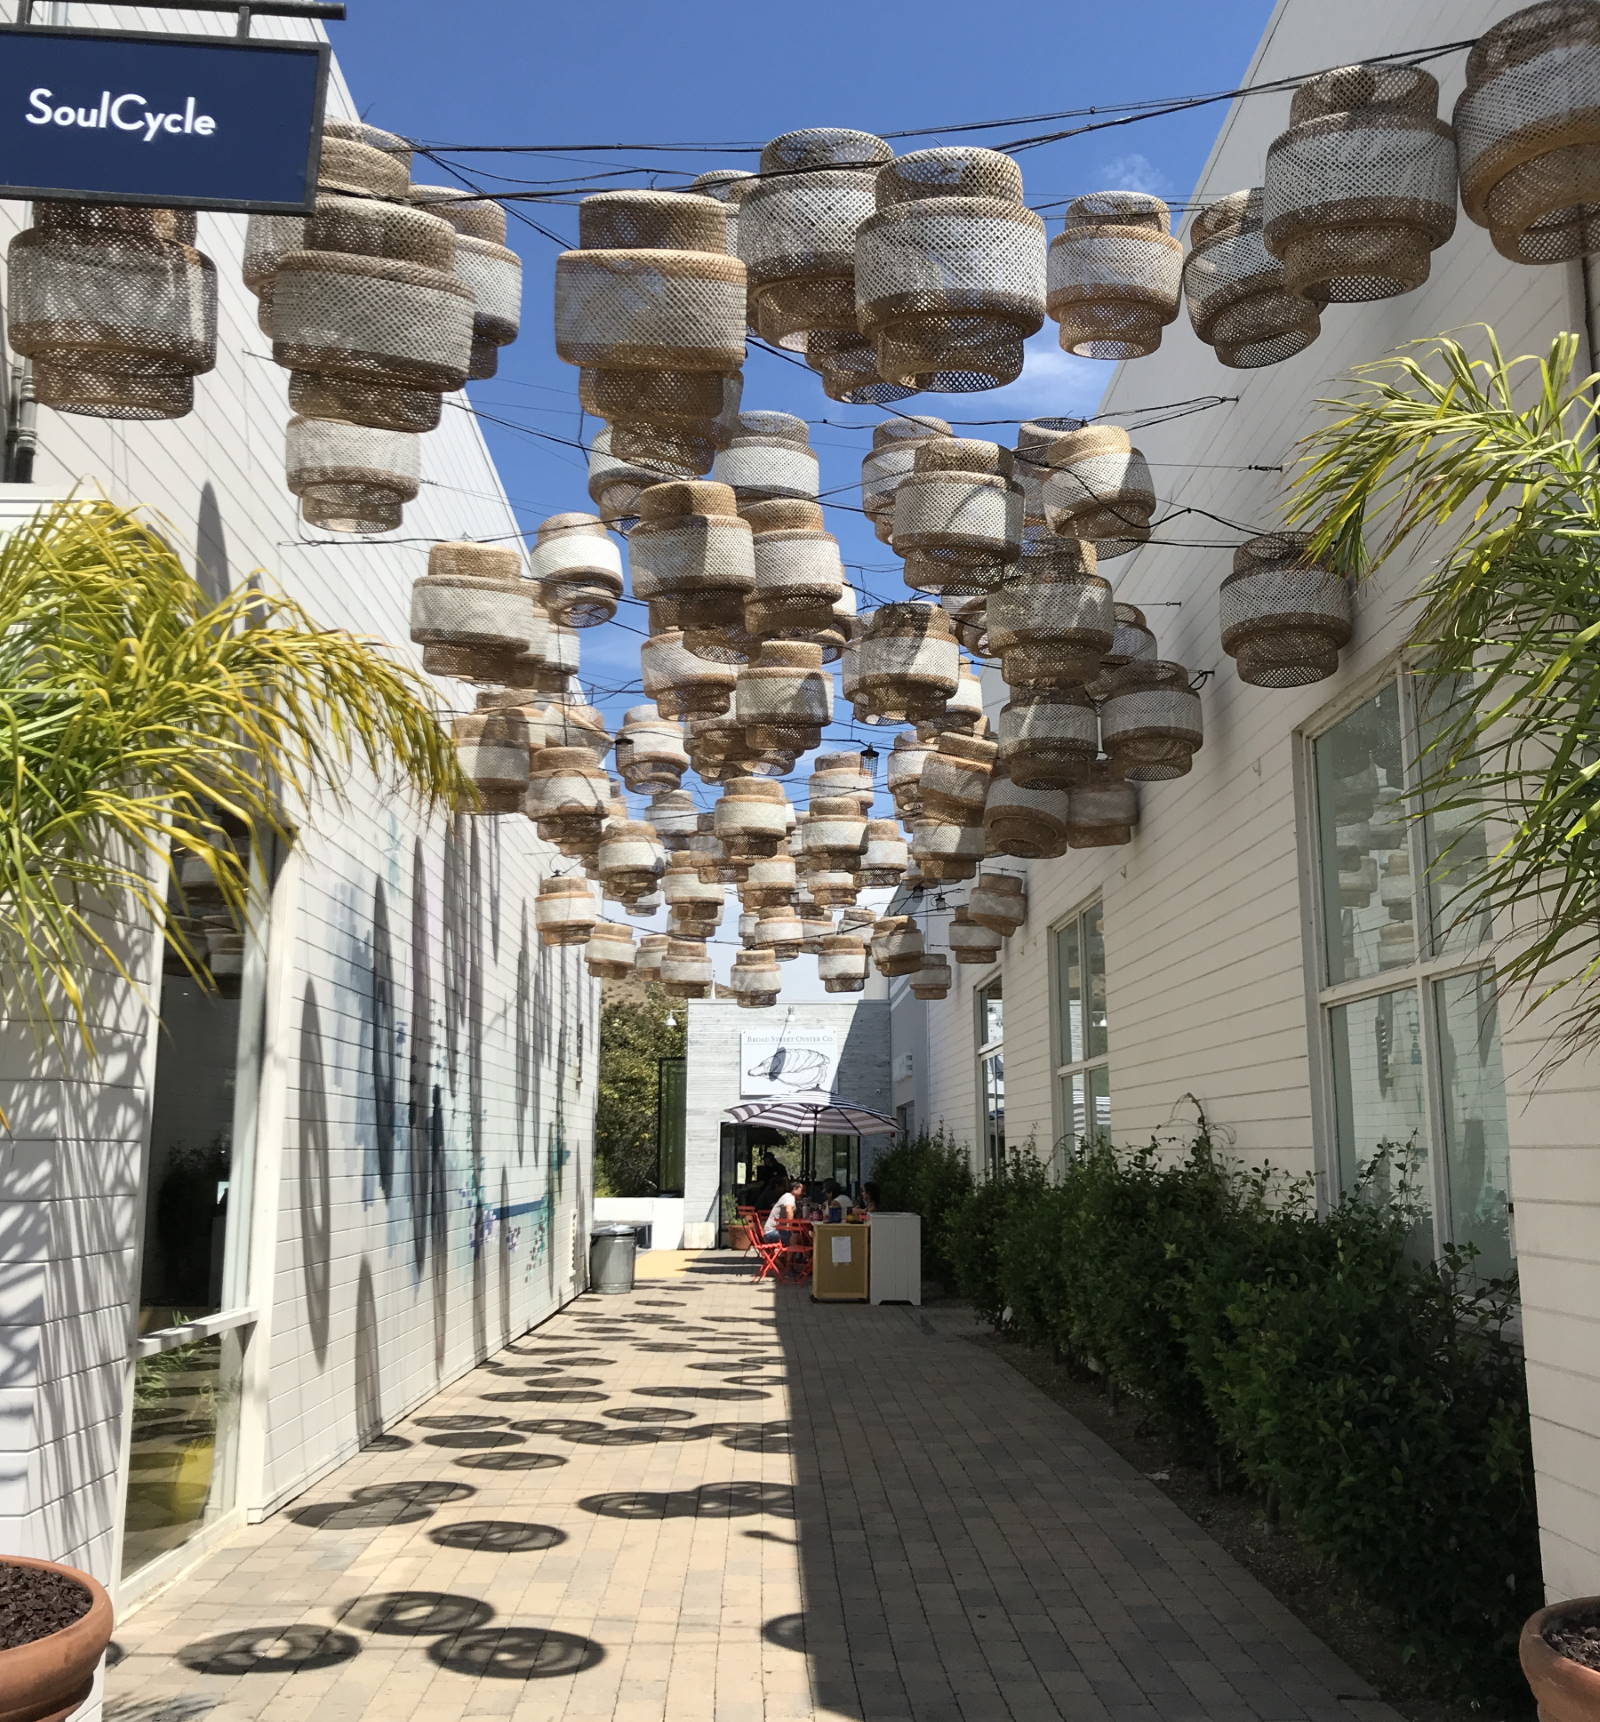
[930,1176]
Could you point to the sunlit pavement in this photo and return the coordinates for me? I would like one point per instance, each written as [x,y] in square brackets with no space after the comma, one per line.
[712,1499]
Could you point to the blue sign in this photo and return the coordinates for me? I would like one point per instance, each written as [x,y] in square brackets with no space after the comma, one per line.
[191,122]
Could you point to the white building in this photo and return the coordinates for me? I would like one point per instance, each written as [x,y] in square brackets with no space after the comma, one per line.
[243,1243]
[1218,962]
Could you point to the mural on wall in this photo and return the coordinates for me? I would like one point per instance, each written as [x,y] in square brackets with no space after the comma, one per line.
[788,1060]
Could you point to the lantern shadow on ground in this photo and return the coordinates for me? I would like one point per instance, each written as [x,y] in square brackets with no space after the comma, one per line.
[787,1631]
[459,1420]
[474,1438]
[292,1649]
[516,1653]
[496,1536]
[545,1396]
[415,1613]
[702,1392]
[708,1501]
[511,1461]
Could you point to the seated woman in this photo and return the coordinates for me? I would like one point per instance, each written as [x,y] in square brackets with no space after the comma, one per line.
[835,1202]
[783,1212]
[869,1198]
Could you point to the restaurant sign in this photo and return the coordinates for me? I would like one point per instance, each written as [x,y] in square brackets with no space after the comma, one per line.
[784,1061]
[180,121]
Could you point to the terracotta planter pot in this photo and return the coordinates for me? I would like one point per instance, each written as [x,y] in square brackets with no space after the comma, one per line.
[47,1680]
[1566,1691]
[736,1237]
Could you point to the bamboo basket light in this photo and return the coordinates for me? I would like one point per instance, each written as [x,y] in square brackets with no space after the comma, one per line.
[614,484]
[1132,642]
[570,723]
[884,857]
[116,308]
[847,363]
[610,954]
[784,697]
[651,755]
[970,941]
[705,849]
[647,960]
[682,683]
[963,712]
[493,750]
[692,885]
[486,264]
[1049,737]
[568,795]
[969,616]
[1031,453]
[950,270]
[756,979]
[1528,129]
[779,932]
[838,774]
[1052,630]
[631,858]
[769,884]
[1238,301]
[933,979]
[1361,188]
[730,186]
[719,750]
[1283,617]
[473,614]
[768,459]
[955,779]
[1102,811]
[842,963]
[686,971]
[890,461]
[958,517]
[267,238]
[1028,823]
[832,888]
[1114,275]
[350,478]
[834,833]
[998,901]
[816,924]
[564,911]
[1150,722]
[673,812]
[945,854]
[897,946]
[907,761]
[749,818]
[799,578]
[692,556]
[908,663]
[1100,488]
[579,569]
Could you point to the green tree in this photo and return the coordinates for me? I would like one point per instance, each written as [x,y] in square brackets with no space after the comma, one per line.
[634,1037]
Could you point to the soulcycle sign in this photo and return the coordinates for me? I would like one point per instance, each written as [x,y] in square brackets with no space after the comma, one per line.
[206,123]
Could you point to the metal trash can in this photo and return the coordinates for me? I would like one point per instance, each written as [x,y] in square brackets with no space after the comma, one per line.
[612,1248]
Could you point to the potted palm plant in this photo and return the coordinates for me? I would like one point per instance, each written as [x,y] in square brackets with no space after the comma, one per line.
[55,1623]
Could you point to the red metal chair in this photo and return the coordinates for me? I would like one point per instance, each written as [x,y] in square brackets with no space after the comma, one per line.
[769,1252]
[798,1248]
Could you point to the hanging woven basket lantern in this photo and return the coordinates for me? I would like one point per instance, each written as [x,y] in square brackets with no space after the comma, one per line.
[955,779]
[564,912]
[998,901]
[652,308]
[1102,811]
[579,570]
[1132,643]
[706,850]
[963,711]
[493,750]
[1049,737]
[730,186]
[1234,287]
[473,613]
[568,795]
[614,484]
[350,478]
[1035,438]
[115,307]
[835,833]
[884,856]
[719,750]
[1397,945]
[950,270]
[890,462]
[1053,631]
[1528,129]
[768,460]
[784,698]
[570,723]
[908,662]
[650,752]
[631,858]
[1284,618]
[756,979]
[692,556]
[907,761]
[686,969]
[770,883]
[946,854]
[1397,889]
[647,960]
[609,955]
[958,516]
[799,578]
[816,924]
[1114,275]
[934,979]
[1100,488]
[1361,189]
[682,684]
[970,941]
[561,658]
[842,963]
[778,931]
[897,946]
[797,231]
[1150,722]
[832,889]
[1028,823]
[673,812]
[1357,881]
[847,363]
[750,818]
[969,616]
[692,885]
[267,238]
[857,919]
[840,774]
[488,266]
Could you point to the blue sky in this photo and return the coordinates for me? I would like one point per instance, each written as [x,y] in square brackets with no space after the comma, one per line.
[505,71]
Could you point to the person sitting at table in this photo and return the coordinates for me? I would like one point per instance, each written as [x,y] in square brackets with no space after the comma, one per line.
[835,1203]
[783,1213]
[870,1198]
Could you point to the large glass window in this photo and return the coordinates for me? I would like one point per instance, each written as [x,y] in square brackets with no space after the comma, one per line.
[1083,1074]
[990,1002]
[1407,995]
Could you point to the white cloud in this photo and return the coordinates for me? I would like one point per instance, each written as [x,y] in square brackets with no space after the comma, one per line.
[1053,383]
[1133,172]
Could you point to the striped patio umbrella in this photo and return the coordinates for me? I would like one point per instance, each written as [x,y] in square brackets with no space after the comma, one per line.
[814,1114]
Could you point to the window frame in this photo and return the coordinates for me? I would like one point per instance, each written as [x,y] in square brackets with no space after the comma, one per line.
[991,1143]
[1064,1070]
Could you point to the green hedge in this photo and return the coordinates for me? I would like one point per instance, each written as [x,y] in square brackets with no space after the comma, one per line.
[927,1175]
[1368,1396]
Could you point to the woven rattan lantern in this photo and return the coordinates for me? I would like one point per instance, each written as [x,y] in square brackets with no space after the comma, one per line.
[799,578]
[1283,617]
[579,570]
[889,463]
[1053,631]
[816,924]
[647,959]
[950,271]
[778,931]
[897,946]
[610,955]
[883,859]
[1049,737]
[933,979]
[1032,457]
[691,556]
[673,812]
[840,774]
[907,760]
[350,478]
[842,963]
[568,795]
[705,849]
[998,901]
[488,266]
[769,884]
[970,941]
[1028,823]
[686,969]
[768,460]
[614,484]
[564,911]
[1114,275]
[730,186]
[963,712]
[969,616]
[1235,290]
[756,979]
[834,833]
[1528,129]
[652,308]
[683,684]
[1150,722]
[784,698]
[719,750]
[955,779]
[908,663]
[1361,189]
[650,751]
[1131,643]
[692,885]
[631,858]
[945,854]
[493,750]
[1101,811]
[472,613]
[750,818]
[1100,488]
[958,516]
[570,723]
[798,227]
[267,238]
[847,363]
[832,888]
[115,307]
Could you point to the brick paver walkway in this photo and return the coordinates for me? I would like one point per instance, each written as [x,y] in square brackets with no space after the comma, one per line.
[716,1502]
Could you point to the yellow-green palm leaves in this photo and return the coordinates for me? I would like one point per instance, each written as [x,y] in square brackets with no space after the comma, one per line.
[1485,470]
[133,708]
